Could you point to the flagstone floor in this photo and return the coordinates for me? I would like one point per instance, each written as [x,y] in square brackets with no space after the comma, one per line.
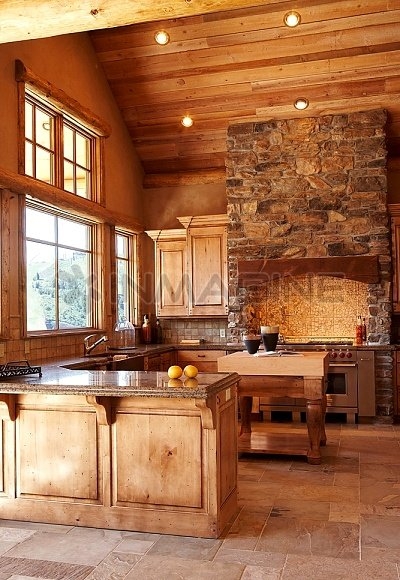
[338,520]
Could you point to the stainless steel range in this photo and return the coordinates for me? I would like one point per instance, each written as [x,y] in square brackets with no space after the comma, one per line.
[351,381]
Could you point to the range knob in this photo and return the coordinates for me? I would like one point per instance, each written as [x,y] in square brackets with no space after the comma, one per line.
[349,354]
[342,354]
[333,354]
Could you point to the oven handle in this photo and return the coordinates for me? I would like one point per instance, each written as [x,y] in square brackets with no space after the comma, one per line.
[342,365]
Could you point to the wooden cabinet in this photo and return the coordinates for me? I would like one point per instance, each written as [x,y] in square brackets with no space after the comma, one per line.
[204,360]
[191,267]
[159,361]
[395,226]
[170,272]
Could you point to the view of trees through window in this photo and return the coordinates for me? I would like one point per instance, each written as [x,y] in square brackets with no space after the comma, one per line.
[125,296]
[59,272]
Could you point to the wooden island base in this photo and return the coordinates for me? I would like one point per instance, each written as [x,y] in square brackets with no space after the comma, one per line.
[151,464]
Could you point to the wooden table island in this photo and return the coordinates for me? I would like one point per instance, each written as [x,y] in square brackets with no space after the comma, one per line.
[298,375]
[123,450]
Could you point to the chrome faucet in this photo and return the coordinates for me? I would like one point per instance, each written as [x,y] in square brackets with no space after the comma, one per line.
[89,347]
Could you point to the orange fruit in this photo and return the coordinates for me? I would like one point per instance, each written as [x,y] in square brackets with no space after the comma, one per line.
[190,371]
[174,372]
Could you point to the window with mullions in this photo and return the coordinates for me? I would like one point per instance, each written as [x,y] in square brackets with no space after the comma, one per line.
[59,277]
[125,264]
[58,150]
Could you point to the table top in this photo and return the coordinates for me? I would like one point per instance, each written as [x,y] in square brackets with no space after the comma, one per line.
[278,363]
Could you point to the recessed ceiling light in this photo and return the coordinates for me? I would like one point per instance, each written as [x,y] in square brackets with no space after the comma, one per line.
[161,37]
[292,18]
[301,104]
[187,121]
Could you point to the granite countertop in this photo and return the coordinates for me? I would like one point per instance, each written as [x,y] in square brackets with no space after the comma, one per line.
[56,379]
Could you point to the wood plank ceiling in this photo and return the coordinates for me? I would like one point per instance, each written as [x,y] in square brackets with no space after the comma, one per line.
[245,65]
[229,66]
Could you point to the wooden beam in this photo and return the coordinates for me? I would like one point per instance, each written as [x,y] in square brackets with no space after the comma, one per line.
[29,19]
[360,268]
[23,185]
[201,177]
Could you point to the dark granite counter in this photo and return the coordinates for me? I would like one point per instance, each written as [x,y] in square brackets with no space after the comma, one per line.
[56,379]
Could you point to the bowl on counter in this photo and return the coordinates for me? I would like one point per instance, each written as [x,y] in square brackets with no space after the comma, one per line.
[252,342]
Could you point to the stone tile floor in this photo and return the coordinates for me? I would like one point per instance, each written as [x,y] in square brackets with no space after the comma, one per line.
[338,520]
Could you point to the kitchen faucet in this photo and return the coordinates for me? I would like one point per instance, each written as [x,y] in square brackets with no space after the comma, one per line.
[89,347]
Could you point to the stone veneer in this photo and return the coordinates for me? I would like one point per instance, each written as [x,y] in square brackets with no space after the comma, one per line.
[312,187]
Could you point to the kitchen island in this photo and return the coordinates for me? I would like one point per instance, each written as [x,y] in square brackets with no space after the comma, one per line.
[123,450]
[281,374]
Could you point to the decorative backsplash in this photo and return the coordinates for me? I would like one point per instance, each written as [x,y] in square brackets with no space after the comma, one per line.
[309,306]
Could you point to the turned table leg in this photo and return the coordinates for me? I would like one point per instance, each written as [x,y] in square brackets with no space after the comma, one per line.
[315,419]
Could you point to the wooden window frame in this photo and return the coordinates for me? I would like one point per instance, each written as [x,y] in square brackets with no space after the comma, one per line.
[132,261]
[64,107]
[96,283]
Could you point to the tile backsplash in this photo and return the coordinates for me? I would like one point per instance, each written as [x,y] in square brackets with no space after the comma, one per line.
[309,306]
[209,329]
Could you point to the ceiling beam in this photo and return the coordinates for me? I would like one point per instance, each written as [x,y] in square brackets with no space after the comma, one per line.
[29,19]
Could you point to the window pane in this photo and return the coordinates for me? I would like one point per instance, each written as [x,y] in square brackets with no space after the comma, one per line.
[82,150]
[73,277]
[40,225]
[68,143]
[123,295]
[28,159]
[73,234]
[69,184]
[41,299]
[28,121]
[82,182]
[44,165]
[122,246]
[43,129]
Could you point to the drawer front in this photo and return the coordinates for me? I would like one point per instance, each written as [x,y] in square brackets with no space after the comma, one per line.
[197,356]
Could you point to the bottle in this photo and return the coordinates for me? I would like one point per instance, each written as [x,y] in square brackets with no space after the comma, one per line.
[159,336]
[364,330]
[146,330]
[359,332]
[124,334]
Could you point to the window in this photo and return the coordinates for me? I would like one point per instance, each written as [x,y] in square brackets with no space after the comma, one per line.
[125,247]
[60,273]
[58,148]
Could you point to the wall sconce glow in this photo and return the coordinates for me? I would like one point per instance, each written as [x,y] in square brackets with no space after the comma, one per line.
[161,37]
[301,104]
[292,18]
[187,121]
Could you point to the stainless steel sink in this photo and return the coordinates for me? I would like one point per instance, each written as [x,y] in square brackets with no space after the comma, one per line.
[107,362]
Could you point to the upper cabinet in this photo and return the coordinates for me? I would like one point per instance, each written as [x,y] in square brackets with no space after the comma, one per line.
[191,267]
[171,272]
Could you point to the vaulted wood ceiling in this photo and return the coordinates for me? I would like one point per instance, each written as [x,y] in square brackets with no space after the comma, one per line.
[241,65]
[245,65]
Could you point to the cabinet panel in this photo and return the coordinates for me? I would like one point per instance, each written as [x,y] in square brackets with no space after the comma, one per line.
[171,283]
[167,452]
[208,290]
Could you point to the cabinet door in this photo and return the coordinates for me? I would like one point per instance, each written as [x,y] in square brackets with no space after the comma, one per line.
[208,273]
[171,278]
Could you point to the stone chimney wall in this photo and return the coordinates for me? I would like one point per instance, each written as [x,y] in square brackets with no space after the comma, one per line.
[310,187]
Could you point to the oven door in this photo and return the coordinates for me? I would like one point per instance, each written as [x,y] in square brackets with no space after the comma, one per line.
[342,385]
